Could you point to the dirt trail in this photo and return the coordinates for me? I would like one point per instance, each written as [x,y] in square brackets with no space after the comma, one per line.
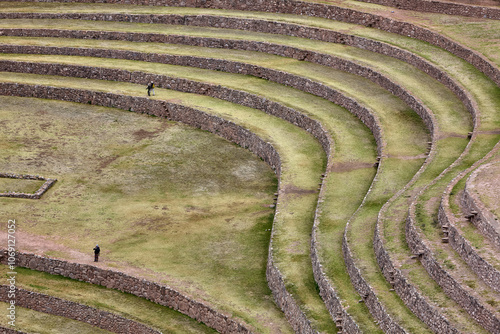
[47,246]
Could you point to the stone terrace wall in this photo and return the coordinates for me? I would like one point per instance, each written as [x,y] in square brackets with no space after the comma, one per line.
[334,306]
[451,287]
[462,246]
[481,217]
[415,301]
[441,7]
[260,26]
[328,12]
[368,296]
[56,306]
[281,77]
[426,117]
[338,312]
[283,298]
[155,292]
[281,50]
[476,262]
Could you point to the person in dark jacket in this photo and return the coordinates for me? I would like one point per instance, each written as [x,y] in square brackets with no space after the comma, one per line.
[97,250]
[151,88]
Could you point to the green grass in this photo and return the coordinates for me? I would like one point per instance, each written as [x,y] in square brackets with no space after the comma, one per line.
[19,185]
[114,301]
[300,180]
[144,187]
[37,322]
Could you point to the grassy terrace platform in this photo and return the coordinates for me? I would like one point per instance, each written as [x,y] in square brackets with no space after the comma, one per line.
[299,182]
[123,304]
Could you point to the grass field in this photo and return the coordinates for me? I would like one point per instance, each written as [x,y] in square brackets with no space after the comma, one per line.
[134,215]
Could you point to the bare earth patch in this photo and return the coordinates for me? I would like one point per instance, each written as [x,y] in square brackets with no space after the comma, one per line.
[487,185]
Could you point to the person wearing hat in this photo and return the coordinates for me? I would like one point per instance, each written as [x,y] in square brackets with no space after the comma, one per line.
[97,250]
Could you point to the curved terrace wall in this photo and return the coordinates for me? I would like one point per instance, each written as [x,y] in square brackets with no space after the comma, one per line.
[329,12]
[451,287]
[481,217]
[64,308]
[155,292]
[412,298]
[179,84]
[281,77]
[304,84]
[467,252]
[327,290]
[441,8]
[484,316]
[476,262]
[368,296]
[428,315]
[274,277]
[280,50]
[262,26]
[282,297]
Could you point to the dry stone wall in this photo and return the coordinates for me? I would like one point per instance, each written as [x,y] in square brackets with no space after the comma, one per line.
[452,288]
[368,296]
[64,308]
[281,77]
[179,84]
[412,298]
[479,215]
[333,305]
[259,26]
[476,262]
[283,298]
[162,295]
[442,8]
[328,12]
[155,292]
[335,312]
[281,50]
[198,119]
[493,71]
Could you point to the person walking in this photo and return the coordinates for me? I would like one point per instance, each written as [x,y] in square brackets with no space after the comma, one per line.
[151,88]
[97,250]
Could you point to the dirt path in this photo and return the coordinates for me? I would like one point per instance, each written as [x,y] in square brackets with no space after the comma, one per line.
[47,247]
